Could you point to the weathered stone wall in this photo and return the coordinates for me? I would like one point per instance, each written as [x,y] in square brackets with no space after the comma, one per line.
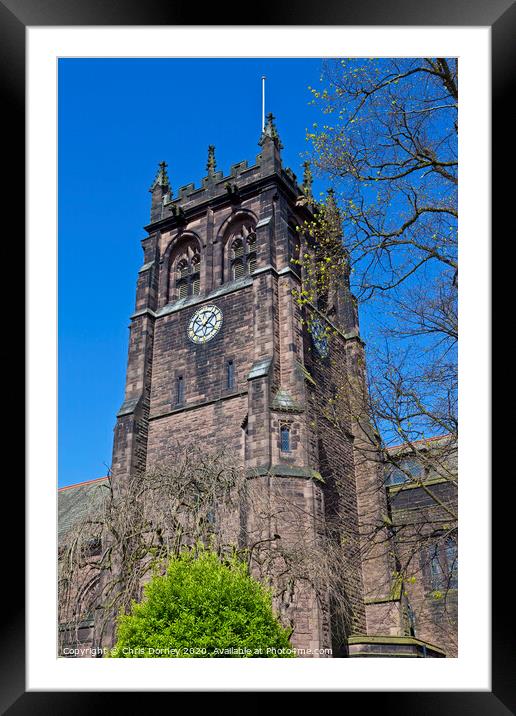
[420,520]
[377,558]
[202,367]
[331,440]
[283,526]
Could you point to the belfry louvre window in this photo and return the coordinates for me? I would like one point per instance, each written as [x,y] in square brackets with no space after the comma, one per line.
[238,248]
[285,438]
[188,274]
[238,268]
[196,276]
[243,254]
[183,269]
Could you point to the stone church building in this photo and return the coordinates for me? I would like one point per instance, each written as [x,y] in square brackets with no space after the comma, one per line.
[222,353]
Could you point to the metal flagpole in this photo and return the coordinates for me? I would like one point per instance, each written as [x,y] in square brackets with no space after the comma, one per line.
[263,102]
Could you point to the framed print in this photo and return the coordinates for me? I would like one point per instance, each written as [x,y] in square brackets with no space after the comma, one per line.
[242,362]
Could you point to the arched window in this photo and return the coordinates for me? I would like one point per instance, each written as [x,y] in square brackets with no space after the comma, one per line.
[243,256]
[188,273]
[285,438]
[242,252]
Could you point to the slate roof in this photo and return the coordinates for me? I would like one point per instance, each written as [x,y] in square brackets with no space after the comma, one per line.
[446,439]
[260,368]
[283,401]
[75,502]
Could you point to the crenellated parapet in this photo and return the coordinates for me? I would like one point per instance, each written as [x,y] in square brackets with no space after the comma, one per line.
[233,187]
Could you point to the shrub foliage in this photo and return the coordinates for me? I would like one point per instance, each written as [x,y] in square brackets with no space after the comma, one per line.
[202,607]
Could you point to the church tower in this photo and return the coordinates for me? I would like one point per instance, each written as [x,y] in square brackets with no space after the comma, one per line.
[220,352]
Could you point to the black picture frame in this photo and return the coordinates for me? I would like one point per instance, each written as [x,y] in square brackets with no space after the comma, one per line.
[15,16]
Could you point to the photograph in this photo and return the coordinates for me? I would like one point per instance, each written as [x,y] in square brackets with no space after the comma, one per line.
[245,384]
[265,464]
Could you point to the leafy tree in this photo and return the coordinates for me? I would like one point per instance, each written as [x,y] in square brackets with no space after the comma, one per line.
[388,145]
[200,496]
[391,139]
[202,607]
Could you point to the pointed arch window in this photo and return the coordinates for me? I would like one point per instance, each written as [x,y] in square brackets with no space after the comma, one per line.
[242,253]
[188,273]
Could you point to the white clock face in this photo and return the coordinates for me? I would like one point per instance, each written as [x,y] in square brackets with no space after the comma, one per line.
[205,324]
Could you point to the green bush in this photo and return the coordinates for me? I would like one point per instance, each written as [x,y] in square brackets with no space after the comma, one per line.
[202,607]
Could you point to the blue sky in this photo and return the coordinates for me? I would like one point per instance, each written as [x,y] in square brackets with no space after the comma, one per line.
[117,120]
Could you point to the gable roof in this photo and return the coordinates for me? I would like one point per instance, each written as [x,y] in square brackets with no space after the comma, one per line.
[75,502]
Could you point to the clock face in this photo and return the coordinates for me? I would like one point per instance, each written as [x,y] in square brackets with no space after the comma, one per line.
[205,324]
[320,338]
